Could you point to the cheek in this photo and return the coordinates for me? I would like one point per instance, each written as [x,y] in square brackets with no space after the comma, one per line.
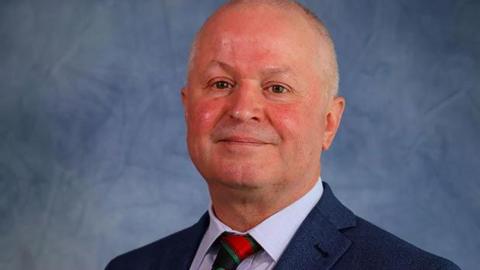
[202,117]
[297,124]
[285,120]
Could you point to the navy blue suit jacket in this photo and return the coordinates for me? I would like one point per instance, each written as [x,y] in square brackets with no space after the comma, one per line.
[331,237]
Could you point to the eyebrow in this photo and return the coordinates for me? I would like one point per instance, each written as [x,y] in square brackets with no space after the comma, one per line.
[222,65]
[268,71]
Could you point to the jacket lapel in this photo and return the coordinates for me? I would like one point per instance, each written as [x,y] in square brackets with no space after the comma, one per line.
[184,247]
[318,243]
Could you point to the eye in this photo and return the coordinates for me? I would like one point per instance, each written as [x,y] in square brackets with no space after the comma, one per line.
[278,89]
[222,85]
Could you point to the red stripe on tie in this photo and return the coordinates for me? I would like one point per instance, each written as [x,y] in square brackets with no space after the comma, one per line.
[240,245]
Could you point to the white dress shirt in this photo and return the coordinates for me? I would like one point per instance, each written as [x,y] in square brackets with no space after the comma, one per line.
[273,234]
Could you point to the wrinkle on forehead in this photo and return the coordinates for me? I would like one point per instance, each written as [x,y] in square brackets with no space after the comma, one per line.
[252,50]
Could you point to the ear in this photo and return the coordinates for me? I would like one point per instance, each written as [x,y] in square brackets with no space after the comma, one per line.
[184,101]
[332,121]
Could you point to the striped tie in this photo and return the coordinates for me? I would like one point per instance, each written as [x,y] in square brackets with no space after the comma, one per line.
[233,249]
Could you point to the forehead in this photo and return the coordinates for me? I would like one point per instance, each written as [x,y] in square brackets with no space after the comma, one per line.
[257,36]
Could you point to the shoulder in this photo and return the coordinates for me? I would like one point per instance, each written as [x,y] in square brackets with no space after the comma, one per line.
[182,243]
[143,257]
[373,247]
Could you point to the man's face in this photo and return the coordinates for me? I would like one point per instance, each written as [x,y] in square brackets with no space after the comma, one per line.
[256,102]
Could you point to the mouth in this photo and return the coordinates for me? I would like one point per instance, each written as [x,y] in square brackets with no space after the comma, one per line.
[239,140]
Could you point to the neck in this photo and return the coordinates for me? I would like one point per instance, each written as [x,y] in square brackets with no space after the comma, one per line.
[244,208]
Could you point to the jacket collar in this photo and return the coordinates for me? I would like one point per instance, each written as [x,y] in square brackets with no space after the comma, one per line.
[183,247]
[318,243]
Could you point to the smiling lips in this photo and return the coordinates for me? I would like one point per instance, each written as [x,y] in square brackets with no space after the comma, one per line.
[243,140]
[247,135]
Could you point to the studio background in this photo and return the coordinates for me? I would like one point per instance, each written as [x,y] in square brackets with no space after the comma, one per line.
[93,159]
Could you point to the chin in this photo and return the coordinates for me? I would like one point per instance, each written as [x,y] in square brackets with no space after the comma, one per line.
[241,178]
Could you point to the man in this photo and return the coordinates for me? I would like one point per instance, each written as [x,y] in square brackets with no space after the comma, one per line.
[261,106]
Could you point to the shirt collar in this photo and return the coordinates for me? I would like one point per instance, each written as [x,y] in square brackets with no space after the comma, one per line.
[274,233]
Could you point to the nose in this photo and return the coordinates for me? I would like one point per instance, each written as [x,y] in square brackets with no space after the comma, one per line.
[246,102]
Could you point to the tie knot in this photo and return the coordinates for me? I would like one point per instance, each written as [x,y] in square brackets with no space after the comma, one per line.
[242,245]
[233,249]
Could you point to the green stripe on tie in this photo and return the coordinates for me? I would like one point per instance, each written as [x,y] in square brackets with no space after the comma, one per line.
[231,253]
[228,246]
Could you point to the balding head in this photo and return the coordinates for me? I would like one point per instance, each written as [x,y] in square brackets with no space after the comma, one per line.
[325,55]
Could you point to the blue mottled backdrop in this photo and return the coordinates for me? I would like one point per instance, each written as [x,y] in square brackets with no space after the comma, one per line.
[92,155]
